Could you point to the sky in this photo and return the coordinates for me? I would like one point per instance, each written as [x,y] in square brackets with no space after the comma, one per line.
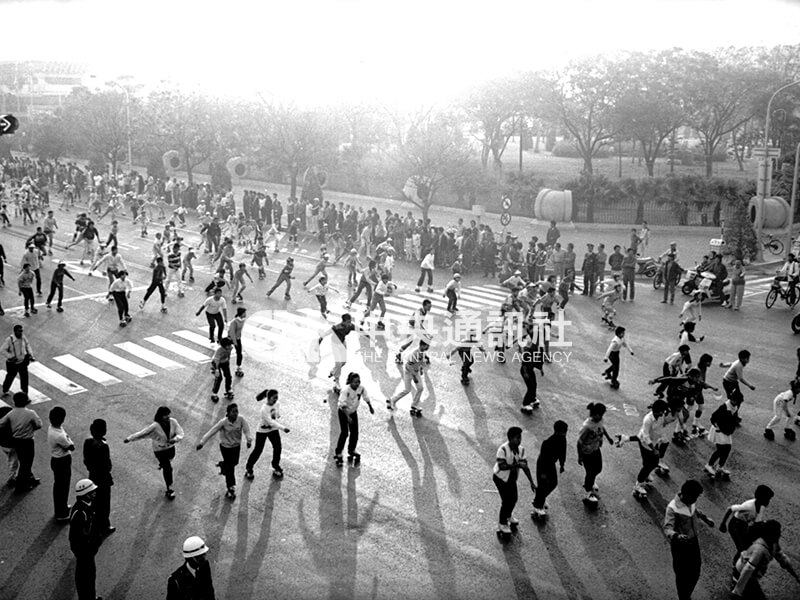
[407,53]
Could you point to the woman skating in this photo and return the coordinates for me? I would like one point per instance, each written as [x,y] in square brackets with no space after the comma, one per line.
[165,432]
[268,428]
[724,420]
[230,429]
[590,440]
[648,439]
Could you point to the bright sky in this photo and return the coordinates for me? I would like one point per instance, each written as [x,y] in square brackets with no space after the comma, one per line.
[409,52]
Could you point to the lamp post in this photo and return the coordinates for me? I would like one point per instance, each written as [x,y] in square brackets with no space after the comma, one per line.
[765,190]
[792,201]
[127,119]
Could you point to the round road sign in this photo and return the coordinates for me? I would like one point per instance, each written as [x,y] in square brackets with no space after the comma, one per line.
[505,219]
[506,204]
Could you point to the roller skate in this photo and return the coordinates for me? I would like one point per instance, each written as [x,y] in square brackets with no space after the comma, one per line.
[639,491]
[513,524]
[239,373]
[465,381]
[380,326]
[181,294]
[389,405]
[415,412]
[769,434]
[503,532]
[249,475]
[164,309]
[620,439]
[277,473]
[228,395]
[662,470]
[398,359]
[789,434]
[214,398]
[591,499]
[122,323]
[698,431]
[723,474]
[614,383]
[337,458]
[538,514]
[527,409]
[354,459]
[231,493]
[128,318]
[710,471]
[170,494]
[430,290]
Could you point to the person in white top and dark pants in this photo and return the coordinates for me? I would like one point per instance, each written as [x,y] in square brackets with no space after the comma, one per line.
[268,428]
[61,449]
[349,400]
[165,432]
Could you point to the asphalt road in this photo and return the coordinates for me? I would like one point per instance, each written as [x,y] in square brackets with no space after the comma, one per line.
[417,519]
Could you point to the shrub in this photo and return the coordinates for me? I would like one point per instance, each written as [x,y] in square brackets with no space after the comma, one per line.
[568,149]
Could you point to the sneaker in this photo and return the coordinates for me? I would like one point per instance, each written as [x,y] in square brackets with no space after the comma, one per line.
[512,521]
[248,474]
[27,314]
[638,488]
[539,512]
[416,289]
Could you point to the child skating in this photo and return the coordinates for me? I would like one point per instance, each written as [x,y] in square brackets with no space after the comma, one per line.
[609,299]
[412,377]
[221,366]
[590,442]
[349,400]
[612,356]
[268,428]
[724,420]
[782,414]
[320,291]
[510,459]
[552,451]
[647,438]
[239,284]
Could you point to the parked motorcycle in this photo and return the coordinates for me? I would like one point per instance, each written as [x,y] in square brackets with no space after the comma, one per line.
[646,266]
[712,296]
[697,279]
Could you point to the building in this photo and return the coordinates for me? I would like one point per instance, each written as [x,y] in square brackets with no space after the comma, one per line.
[38,86]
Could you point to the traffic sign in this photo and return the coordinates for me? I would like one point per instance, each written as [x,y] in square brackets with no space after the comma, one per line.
[771,151]
[8,124]
[505,219]
[506,204]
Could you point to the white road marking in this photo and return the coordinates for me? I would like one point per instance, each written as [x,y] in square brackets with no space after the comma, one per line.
[57,380]
[149,356]
[85,369]
[123,364]
[35,395]
[179,349]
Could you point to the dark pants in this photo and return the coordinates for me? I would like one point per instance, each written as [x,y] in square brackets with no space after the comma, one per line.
[612,372]
[546,482]
[592,465]
[323,304]
[508,496]
[27,298]
[121,300]
[230,458]
[669,290]
[56,287]
[422,274]
[38,274]
[686,563]
[153,287]
[164,458]
[85,574]
[665,372]
[347,426]
[215,320]
[738,530]
[589,281]
[721,453]
[377,300]
[237,345]
[628,284]
[363,284]
[465,354]
[223,369]
[281,278]
[732,390]
[14,368]
[62,473]
[649,463]
[452,300]
[261,439]
[529,377]
[25,453]
[102,508]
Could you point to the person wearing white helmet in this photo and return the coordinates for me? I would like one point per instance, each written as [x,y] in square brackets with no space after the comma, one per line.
[192,580]
[83,540]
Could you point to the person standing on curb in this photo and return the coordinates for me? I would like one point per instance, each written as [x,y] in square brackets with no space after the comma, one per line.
[268,427]
[120,290]
[235,328]
[216,314]
[510,459]
[61,449]
[230,429]
[165,432]
[349,400]
[57,285]
[23,423]
[672,275]
[18,356]
[680,527]
[192,580]
[83,540]
[553,449]
[97,458]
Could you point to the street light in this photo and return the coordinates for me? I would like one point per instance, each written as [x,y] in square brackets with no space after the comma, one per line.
[792,201]
[766,189]
[127,120]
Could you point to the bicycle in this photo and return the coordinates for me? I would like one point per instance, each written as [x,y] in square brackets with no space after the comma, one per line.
[774,245]
[787,292]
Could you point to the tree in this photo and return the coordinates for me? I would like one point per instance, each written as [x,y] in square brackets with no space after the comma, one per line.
[49,137]
[582,98]
[431,148]
[740,239]
[96,124]
[493,111]
[722,90]
[651,105]
[187,123]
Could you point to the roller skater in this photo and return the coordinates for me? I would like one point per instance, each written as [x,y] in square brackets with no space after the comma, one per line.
[782,415]
[349,400]
[739,518]
[338,334]
[725,421]
[230,428]
[412,377]
[647,438]
[268,428]
[510,459]
[612,356]
[610,298]
[590,442]
[553,449]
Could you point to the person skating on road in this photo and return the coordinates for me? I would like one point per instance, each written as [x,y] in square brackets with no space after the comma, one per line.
[192,580]
[235,328]
[284,276]
[349,400]
[239,284]
[686,335]
[268,428]
[697,398]
[692,311]
[260,259]
[674,365]
[739,518]
[724,422]
[422,328]
[157,283]
[319,269]
[120,291]
[413,377]
[57,286]
[383,288]
[32,259]
[231,429]
[531,360]
[22,423]
[187,268]
[83,539]
[369,278]
[221,366]
[735,375]
[452,292]
[61,449]
[553,450]
[25,287]
[89,236]
[174,269]
[165,432]
[320,291]
[216,313]
[113,263]
[510,459]
[782,415]
[610,298]
[465,348]
[680,527]
[338,335]
[754,561]
[648,441]
[618,342]
[426,268]
[97,460]
[18,354]
[590,442]
[50,227]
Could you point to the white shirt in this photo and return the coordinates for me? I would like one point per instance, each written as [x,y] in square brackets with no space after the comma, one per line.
[59,442]
[214,306]
[350,399]
[616,345]
[269,418]
[427,262]
[156,432]
[121,285]
[512,458]
[16,348]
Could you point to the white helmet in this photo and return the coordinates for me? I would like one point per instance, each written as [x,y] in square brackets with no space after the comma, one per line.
[194,546]
[84,486]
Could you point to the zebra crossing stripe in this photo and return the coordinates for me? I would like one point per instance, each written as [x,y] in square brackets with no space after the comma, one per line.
[57,380]
[83,368]
[179,349]
[34,395]
[194,337]
[123,364]
[149,356]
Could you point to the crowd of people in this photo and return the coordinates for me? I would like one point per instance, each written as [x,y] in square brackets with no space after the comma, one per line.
[539,279]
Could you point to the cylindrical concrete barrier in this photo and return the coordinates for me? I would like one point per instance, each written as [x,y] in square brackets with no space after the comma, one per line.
[776,213]
[553,205]
[236,167]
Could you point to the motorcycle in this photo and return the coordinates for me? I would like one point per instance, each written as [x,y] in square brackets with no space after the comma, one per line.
[712,295]
[697,278]
[646,266]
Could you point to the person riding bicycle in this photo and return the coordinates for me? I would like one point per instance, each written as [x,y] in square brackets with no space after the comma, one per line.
[790,271]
